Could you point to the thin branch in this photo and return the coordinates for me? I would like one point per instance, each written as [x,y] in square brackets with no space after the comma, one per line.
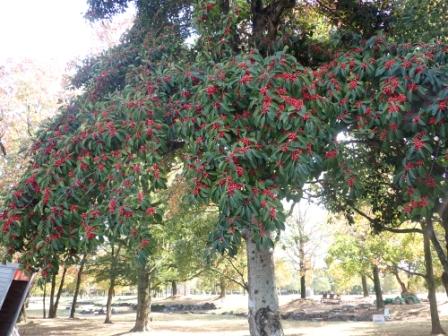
[237,270]
[410,272]
[242,284]
[408,230]
[362,213]
[2,148]
[291,209]
[195,275]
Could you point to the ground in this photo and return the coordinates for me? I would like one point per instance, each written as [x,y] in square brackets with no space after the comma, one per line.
[410,320]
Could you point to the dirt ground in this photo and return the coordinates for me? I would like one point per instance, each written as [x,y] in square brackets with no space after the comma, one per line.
[216,325]
[407,320]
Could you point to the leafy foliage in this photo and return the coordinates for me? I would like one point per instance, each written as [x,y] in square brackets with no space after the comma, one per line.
[255,127]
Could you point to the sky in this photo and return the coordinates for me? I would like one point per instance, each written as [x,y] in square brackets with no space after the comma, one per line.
[46,30]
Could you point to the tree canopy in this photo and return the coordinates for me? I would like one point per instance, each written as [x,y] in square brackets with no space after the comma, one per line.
[251,123]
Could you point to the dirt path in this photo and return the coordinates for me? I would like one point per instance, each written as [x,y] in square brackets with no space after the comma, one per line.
[215,325]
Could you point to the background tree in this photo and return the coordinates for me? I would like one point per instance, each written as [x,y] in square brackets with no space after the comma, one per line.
[301,242]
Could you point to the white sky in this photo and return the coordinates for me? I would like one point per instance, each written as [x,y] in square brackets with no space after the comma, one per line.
[46,30]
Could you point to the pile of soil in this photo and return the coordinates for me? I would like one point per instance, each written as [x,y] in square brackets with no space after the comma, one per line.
[347,312]
[311,310]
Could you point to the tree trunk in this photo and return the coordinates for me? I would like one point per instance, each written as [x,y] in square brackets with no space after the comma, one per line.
[44,310]
[377,286]
[404,289]
[302,287]
[52,290]
[436,327]
[173,288]
[78,285]
[53,312]
[444,279]
[222,288]
[110,294]
[365,288]
[264,316]
[143,300]
[112,280]
[302,267]
[441,254]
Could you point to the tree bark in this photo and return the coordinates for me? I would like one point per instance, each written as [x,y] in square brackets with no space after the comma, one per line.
[53,312]
[143,299]
[78,285]
[441,254]
[265,22]
[404,289]
[436,327]
[365,288]
[302,267]
[302,287]
[52,290]
[44,310]
[110,294]
[222,288]
[444,277]
[444,280]
[377,286]
[264,316]
[112,280]
[173,288]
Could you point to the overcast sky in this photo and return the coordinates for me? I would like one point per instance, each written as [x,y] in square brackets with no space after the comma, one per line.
[48,30]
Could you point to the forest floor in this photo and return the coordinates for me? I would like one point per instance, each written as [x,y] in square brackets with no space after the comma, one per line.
[407,320]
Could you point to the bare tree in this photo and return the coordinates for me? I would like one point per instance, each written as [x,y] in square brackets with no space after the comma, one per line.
[301,241]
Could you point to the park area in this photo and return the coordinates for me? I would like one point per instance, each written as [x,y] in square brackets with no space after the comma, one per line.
[224,167]
[186,316]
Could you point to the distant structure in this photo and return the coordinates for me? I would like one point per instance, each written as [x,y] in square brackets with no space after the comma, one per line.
[14,287]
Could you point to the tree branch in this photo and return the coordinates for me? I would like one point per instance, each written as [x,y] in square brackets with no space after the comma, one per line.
[242,284]
[408,230]
[2,148]
[237,270]
[409,271]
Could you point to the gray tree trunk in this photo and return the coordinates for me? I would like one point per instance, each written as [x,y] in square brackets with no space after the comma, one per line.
[377,286]
[222,288]
[173,288]
[112,280]
[110,295]
[365,288]
[302,267]
[444,280]
[44,309]
[436,327]
[78,285]
[52,290]
[404,289]
[54,310]
[143,299]
[264,316]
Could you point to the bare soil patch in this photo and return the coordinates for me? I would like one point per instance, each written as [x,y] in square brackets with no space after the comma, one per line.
[226,320]
[214,325]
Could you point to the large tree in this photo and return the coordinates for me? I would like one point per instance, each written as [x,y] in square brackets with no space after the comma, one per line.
[254,126]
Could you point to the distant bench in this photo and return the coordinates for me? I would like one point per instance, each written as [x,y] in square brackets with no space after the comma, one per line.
[330,298]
